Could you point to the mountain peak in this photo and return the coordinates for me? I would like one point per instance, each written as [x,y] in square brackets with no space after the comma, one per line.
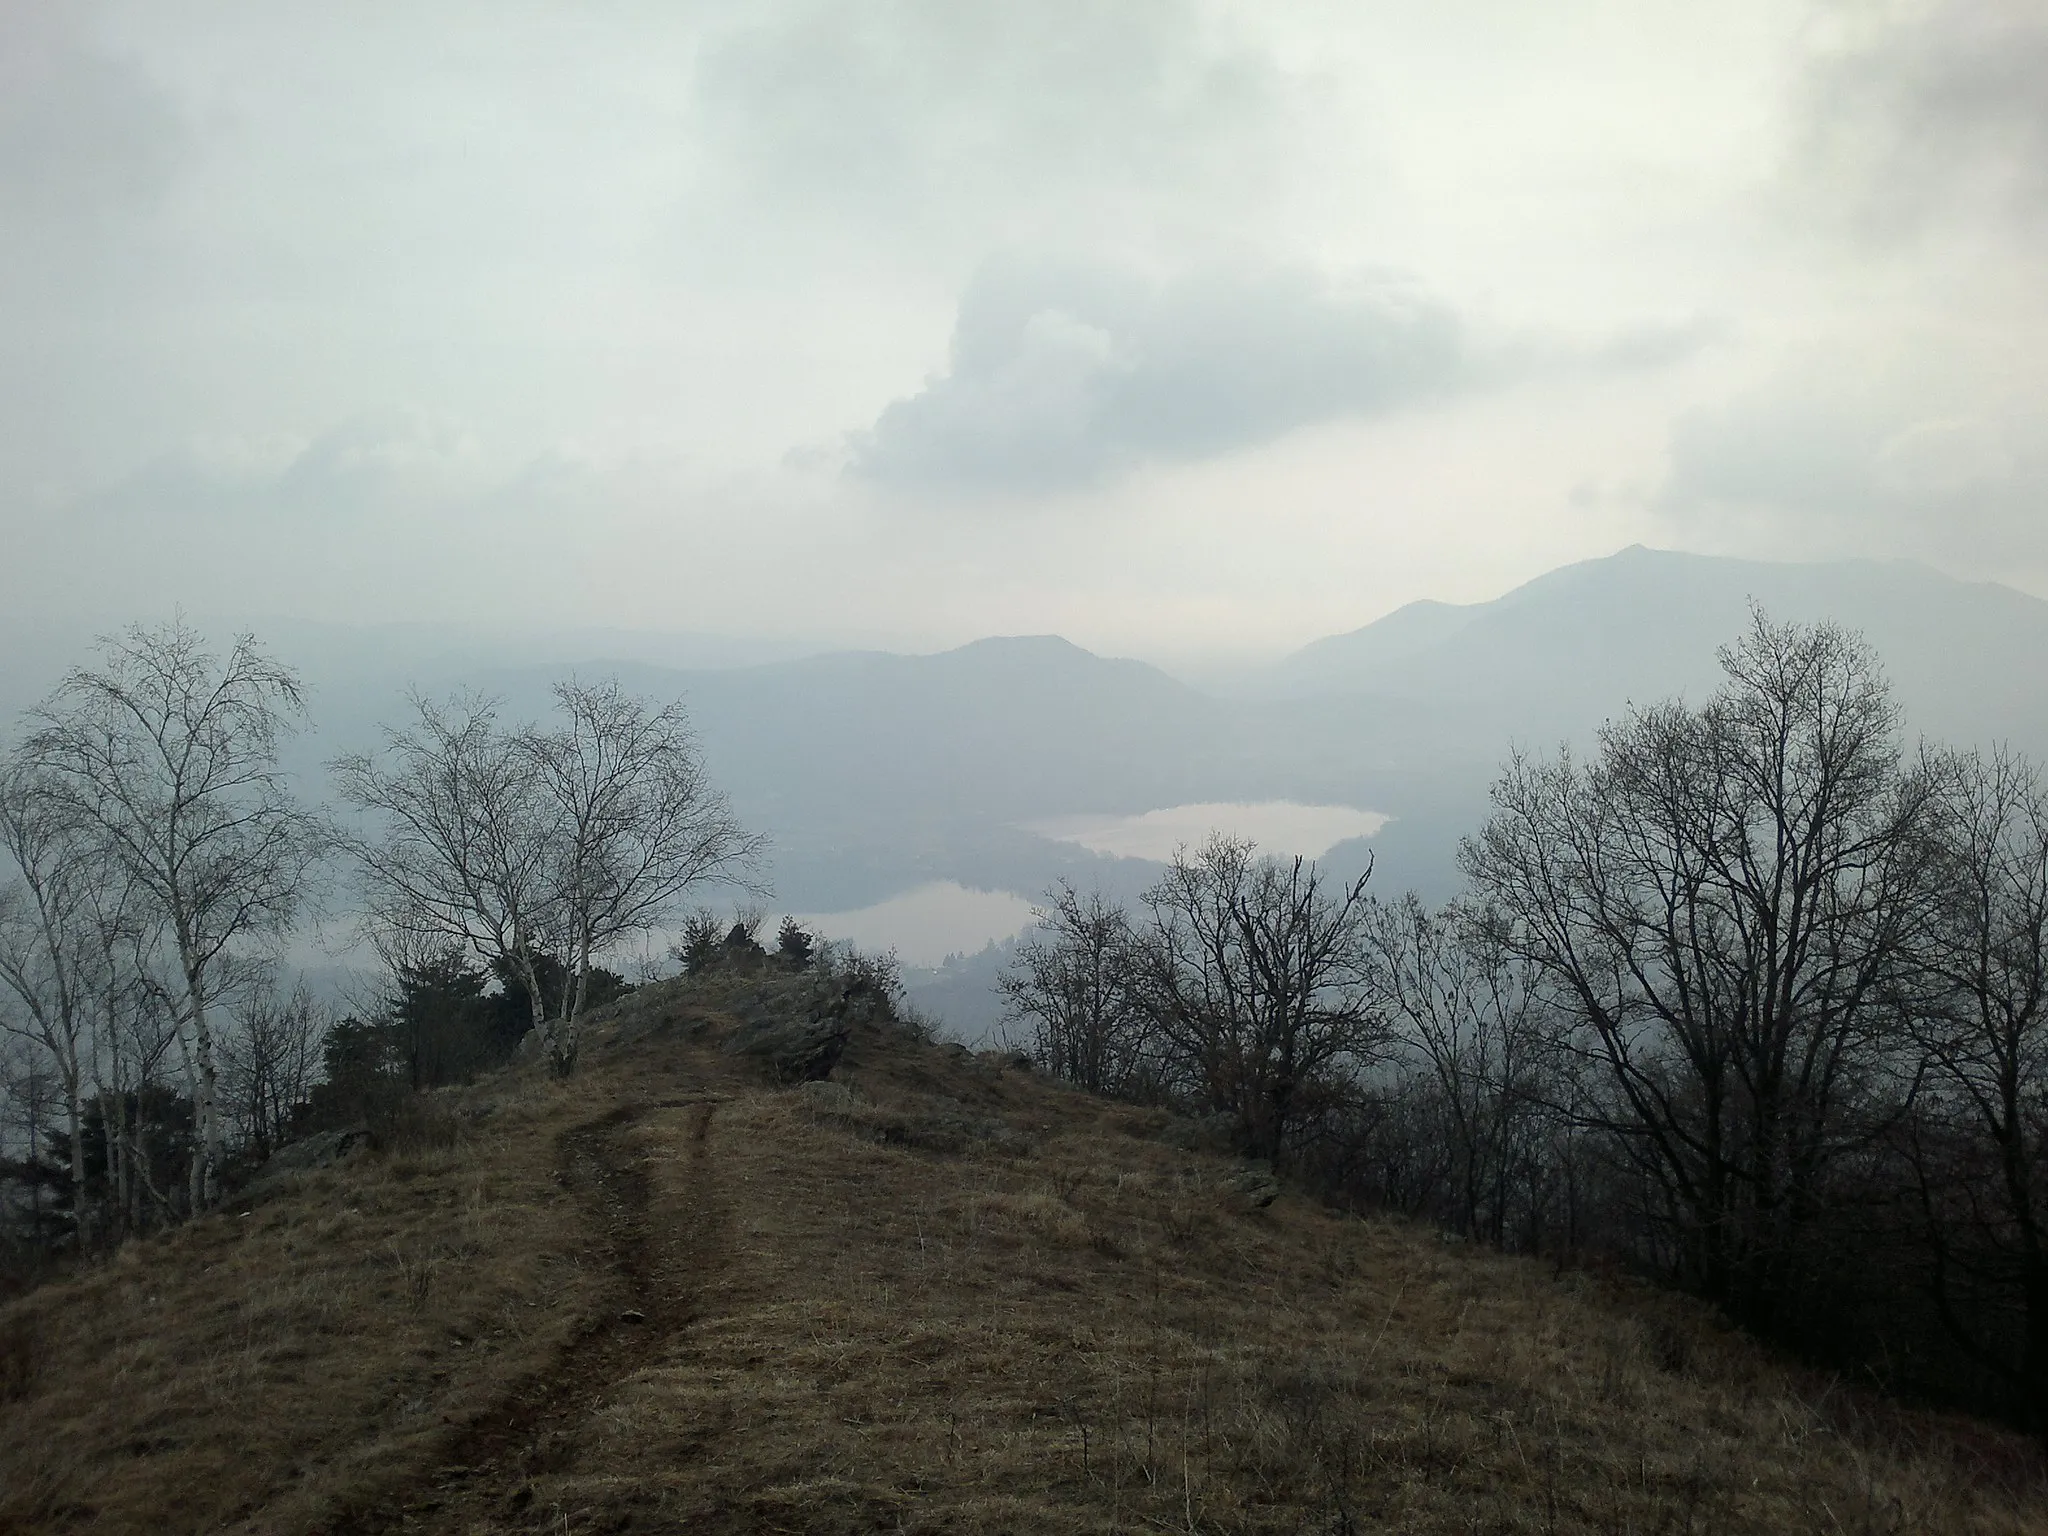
[1646,623]
[1041,646]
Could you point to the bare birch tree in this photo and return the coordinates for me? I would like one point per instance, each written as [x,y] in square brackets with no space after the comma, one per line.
[634,825]
[52,954]
[527,844]
[166,757]
[458,844]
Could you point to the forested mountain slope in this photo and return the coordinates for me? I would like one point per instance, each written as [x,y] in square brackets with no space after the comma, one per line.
[936,1292]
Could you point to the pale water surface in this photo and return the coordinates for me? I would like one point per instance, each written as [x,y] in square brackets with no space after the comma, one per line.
[1277,826]
[943,917]
[929,923]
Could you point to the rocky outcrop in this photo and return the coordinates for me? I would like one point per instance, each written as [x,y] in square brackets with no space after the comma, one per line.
[828,1098]
[798,1035]
[1255,1186]
[320,1150]
[791,1050]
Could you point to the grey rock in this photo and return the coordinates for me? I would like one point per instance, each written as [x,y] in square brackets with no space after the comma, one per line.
[1255,1186]
[321,1150]
[829,1098]
[799,1038]
[792,1050]
[318,1150]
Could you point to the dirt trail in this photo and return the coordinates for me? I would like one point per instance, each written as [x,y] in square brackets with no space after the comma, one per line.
[486,1475]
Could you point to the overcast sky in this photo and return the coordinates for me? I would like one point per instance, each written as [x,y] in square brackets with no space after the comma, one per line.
[1177,328]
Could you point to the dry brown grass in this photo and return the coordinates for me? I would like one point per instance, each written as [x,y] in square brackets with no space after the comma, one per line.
[960,1299]
[252,1365]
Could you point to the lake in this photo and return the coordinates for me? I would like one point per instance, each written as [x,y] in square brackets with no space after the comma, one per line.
[944,917]
[1277,826]
[927,924]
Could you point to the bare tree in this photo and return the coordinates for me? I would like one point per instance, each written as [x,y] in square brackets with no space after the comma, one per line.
[167,757]
[460,850]
[1980,1139]
[136,1034]
[526,845]
[1253,973]
[27,1090]
[1073,984]
[270,1060]
[50,957]
[635,825]
[1473,1014]
[1721,903]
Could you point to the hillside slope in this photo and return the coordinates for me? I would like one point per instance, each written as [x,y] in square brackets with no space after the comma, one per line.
[937,1293]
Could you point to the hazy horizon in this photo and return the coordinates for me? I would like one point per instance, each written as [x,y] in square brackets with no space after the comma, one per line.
[465,344]
[489,642]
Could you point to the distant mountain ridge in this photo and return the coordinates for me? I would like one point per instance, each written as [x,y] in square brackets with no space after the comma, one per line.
[1581,642]
[874,771]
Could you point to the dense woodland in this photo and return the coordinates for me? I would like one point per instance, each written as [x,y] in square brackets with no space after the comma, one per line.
[1750,997]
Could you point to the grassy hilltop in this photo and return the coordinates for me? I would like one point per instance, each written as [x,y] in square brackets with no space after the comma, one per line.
[937,1292]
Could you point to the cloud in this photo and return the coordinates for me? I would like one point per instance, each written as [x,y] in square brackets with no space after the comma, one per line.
[1874,469]
[91,151]
[384,515]
[1064,376]
[1930,111]
[368,467]
[395,517]
[941,127]
[85,135]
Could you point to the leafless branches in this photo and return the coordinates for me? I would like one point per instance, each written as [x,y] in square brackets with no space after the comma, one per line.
[1493,1089]
[636,824]
[1721,901]
[51,964]
[270,1060]
[1073,986]
[457,850]
[530,844]
[161,764]
[1242,990]
[1979,1140]
[1252,973]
